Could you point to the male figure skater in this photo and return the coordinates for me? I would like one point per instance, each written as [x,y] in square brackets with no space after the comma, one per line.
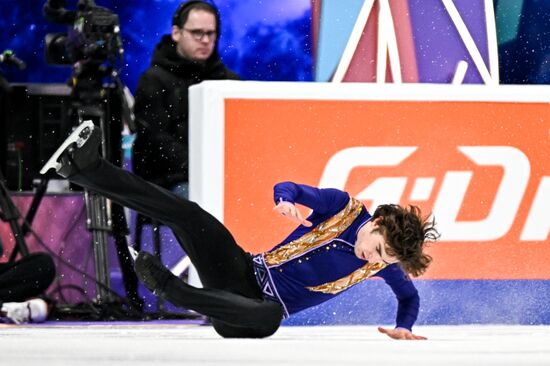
[337,246]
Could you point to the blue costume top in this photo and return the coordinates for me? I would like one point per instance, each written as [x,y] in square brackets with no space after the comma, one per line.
[314,264]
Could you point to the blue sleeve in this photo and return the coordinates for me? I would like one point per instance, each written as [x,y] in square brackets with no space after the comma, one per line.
[406,294]
[320,200]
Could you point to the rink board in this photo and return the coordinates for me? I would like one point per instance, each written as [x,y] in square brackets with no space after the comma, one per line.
[474,156]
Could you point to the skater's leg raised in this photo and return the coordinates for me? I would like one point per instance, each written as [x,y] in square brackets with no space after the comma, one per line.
[210,246]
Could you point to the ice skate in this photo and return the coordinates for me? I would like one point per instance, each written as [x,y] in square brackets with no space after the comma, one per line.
[79,151]
[152,273]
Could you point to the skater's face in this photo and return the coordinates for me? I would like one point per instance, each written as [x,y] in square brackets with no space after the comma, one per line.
[371,245]
[197,38]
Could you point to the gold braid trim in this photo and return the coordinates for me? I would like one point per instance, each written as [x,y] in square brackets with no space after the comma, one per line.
[321,234]
[368,270]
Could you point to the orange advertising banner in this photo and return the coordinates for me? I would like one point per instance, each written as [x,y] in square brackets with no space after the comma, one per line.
[482,168]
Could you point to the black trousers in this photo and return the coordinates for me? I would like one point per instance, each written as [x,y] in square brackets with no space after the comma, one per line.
[231,296]
[26,278]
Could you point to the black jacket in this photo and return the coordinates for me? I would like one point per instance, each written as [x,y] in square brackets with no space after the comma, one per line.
[160,152]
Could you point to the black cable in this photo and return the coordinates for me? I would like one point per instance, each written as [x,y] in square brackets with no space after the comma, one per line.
[60,288]
[121,299]
[100,311]
[73,224]
[63,240]
[65,235]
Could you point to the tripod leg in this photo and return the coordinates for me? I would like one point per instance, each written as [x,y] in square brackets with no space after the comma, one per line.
[38,195]
[120,230]
[21,246]
[99,223]
[10,214]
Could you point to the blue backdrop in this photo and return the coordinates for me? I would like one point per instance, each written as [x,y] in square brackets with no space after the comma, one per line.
[260,41]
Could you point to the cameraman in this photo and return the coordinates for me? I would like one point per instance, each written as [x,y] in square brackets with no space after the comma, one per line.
[186,57]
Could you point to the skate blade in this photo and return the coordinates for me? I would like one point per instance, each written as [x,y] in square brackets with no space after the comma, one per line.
[133,253]
[73,137]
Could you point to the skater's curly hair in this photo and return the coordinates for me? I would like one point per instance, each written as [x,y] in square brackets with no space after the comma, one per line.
[406,232]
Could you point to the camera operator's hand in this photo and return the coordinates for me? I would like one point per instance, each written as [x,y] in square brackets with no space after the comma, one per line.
[8,57]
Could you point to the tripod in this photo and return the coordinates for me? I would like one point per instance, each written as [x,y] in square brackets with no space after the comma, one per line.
[99,215]
[93,101]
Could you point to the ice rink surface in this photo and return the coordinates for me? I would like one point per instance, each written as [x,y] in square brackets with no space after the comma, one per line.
[184,344]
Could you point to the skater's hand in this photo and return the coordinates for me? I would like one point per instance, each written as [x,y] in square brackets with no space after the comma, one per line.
[400,333]
[287,209]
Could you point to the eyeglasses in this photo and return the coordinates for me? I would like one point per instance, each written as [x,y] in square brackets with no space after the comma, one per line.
[199,34]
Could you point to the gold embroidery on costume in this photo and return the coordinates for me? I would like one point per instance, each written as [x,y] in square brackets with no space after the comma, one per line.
[321,234]
[368,270]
